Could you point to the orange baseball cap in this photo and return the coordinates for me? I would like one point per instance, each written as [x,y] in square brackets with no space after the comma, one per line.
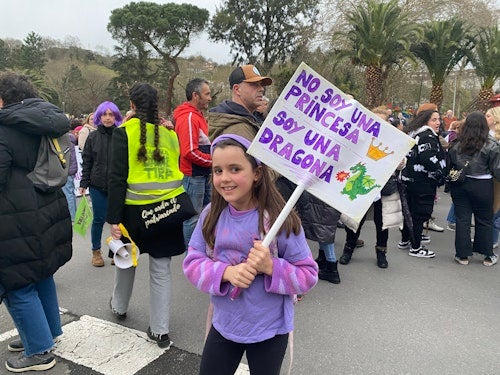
[248,73]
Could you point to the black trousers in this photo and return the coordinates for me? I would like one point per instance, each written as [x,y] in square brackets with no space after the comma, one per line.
[473,197]
[382,235]
[421,204]
[222,357]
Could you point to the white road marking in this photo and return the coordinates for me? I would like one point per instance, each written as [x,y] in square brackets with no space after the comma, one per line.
[8,335]
[107,347]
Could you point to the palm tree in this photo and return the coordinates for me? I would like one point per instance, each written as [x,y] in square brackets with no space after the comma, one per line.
[485,58]
[379,36]
[445,43]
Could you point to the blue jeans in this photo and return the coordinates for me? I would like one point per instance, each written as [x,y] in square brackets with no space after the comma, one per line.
[199,189]
[329,249]
[35,312]
[496,226]
[451,215]
[69,192]
[99,204]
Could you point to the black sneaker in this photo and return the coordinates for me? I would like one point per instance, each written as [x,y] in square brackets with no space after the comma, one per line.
[15,346]
[163,341]
[37,362]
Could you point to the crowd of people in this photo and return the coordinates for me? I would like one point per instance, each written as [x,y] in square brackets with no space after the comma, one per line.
[189,187]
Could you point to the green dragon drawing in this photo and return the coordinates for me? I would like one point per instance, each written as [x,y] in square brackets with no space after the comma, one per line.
[359,183]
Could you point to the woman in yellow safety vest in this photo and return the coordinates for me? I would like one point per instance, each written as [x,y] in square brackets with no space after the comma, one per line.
[147,206]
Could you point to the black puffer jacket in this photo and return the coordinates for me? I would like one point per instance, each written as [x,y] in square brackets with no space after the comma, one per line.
[319,220]
[95,158]
[35,230]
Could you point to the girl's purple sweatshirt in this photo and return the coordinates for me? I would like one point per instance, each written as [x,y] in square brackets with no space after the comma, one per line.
[266,308]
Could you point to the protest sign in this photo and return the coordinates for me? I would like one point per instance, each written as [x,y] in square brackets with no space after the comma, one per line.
[78,176]
[329,144]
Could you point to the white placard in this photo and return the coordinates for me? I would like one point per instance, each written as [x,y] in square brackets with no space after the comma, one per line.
[320,139]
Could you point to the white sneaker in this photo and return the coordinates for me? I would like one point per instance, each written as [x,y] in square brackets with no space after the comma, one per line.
[425,239]
[421,253]
[462,261]
[491,260]
[404,245]
[451,226]
[431,225]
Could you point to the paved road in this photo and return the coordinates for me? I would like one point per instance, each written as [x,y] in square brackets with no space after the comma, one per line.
[419,316]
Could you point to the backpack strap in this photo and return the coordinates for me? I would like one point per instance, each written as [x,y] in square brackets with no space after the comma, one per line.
[60,153]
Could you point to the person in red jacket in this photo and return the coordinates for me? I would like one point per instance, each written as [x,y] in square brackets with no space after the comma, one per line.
[195,161]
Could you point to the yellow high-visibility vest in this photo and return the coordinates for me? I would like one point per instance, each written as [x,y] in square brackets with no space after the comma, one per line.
[152,181]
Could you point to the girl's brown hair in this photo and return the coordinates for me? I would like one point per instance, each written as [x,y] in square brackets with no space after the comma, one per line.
[265,195]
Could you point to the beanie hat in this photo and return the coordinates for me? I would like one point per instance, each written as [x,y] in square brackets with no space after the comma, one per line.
[426,107]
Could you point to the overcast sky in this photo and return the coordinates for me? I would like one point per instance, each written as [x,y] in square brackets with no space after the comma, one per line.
[87,20]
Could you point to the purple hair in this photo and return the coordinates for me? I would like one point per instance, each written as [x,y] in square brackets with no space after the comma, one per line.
[102,108]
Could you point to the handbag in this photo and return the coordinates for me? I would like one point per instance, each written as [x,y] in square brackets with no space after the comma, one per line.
[83,217]
[457,176]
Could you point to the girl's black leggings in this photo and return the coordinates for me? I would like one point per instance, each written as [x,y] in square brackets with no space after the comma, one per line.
[222,356]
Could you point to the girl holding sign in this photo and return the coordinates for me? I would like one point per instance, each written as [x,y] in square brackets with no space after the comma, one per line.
[226,251]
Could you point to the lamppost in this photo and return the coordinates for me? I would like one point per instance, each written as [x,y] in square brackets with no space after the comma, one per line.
[455,92]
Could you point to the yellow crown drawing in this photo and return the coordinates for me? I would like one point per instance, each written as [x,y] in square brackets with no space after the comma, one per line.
[376,152]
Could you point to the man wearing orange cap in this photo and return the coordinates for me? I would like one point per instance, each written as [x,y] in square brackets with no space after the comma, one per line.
[238,115]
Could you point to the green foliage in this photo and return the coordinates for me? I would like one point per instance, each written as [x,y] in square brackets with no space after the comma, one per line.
[72,85]
[445,43]
[148,30]
[32,56]
[379,36]
[264,32]
[485,57]
[165,29]
[4,55]
[79,83]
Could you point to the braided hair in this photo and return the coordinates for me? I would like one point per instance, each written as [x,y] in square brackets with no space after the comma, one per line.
[145,98]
